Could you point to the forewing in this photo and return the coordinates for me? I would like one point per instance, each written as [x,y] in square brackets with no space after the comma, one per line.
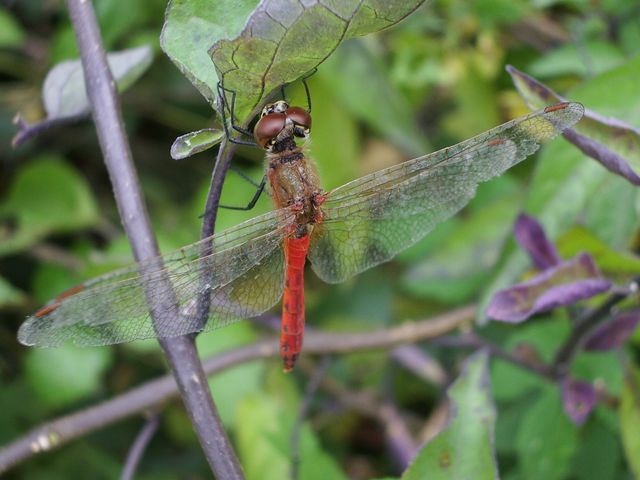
[371,219]
[243,277]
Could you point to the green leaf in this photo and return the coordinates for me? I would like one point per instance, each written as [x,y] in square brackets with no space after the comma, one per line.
[546,440]
[509,420]
[567,60]
[230,386]
[122,23]
[9,295]
[579,239]
[492,12]
[476,104]
[630,422]
[50,279]
[117,18]
[630,36]
[622,139]
[18,404]
[191,27]
[336,146]
[617,230]
[64,93]
[465,448]
[195,142]
[599,368]
[375,100]
[281,41]
[599,454]
[61,376]
[263,438]
[11,34]
[511,382]
[613,94]
[454,272]
[46,196]
[96,462]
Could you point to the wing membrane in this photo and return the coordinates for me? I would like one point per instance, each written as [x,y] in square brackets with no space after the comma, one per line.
[371,219]
[244,277]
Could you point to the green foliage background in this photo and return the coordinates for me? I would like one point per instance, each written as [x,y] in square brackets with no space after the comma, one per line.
[433,80]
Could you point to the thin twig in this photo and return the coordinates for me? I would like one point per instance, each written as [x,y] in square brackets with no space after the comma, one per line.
[421,364]
[49,253]
[223,162]
[154,394]
[180,352]
[474,341]
[205,277]
[400,441]
[139,446]
[436,423]
[27,131]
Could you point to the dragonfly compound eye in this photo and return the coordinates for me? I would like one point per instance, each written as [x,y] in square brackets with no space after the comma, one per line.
[268,128]
[300,117]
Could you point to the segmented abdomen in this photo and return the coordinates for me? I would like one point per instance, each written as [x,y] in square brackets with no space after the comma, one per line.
[292,326]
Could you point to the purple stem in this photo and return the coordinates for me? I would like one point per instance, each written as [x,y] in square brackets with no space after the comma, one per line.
[180,351]
[421,364]
[583,326]
[139,446]
[27,131]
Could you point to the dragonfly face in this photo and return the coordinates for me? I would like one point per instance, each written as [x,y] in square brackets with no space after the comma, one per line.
[342,233]
[279,121]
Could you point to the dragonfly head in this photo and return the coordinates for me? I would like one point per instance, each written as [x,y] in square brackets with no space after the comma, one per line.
[279,122]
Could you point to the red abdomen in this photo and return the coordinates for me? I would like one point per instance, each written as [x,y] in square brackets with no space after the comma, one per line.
[292,326]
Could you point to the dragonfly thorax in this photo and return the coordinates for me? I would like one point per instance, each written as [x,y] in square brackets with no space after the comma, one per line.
[280,123]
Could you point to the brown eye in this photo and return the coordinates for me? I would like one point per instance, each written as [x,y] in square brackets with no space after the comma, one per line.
[268,128]
[300,117]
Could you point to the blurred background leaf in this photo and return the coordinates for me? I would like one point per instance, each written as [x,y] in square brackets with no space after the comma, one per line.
[465,447]
[47,196]
[61,376]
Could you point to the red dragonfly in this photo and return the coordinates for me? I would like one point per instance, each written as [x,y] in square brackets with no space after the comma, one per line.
[342,232]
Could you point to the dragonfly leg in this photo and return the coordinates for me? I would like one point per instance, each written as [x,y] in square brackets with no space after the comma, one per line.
[246,177]
[231,107]
[306,87]
[260,189]
[254,200]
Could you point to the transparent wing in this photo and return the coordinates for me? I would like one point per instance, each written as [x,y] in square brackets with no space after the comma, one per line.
[371,219]
[242,278]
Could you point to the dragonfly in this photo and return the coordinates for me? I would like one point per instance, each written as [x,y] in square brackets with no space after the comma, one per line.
[249,268]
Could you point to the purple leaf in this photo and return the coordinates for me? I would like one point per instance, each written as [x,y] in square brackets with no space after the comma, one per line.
[535,94]
[610,141]
[613,333]
[567,283]
[531,238]
[578,398]
[603,154]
